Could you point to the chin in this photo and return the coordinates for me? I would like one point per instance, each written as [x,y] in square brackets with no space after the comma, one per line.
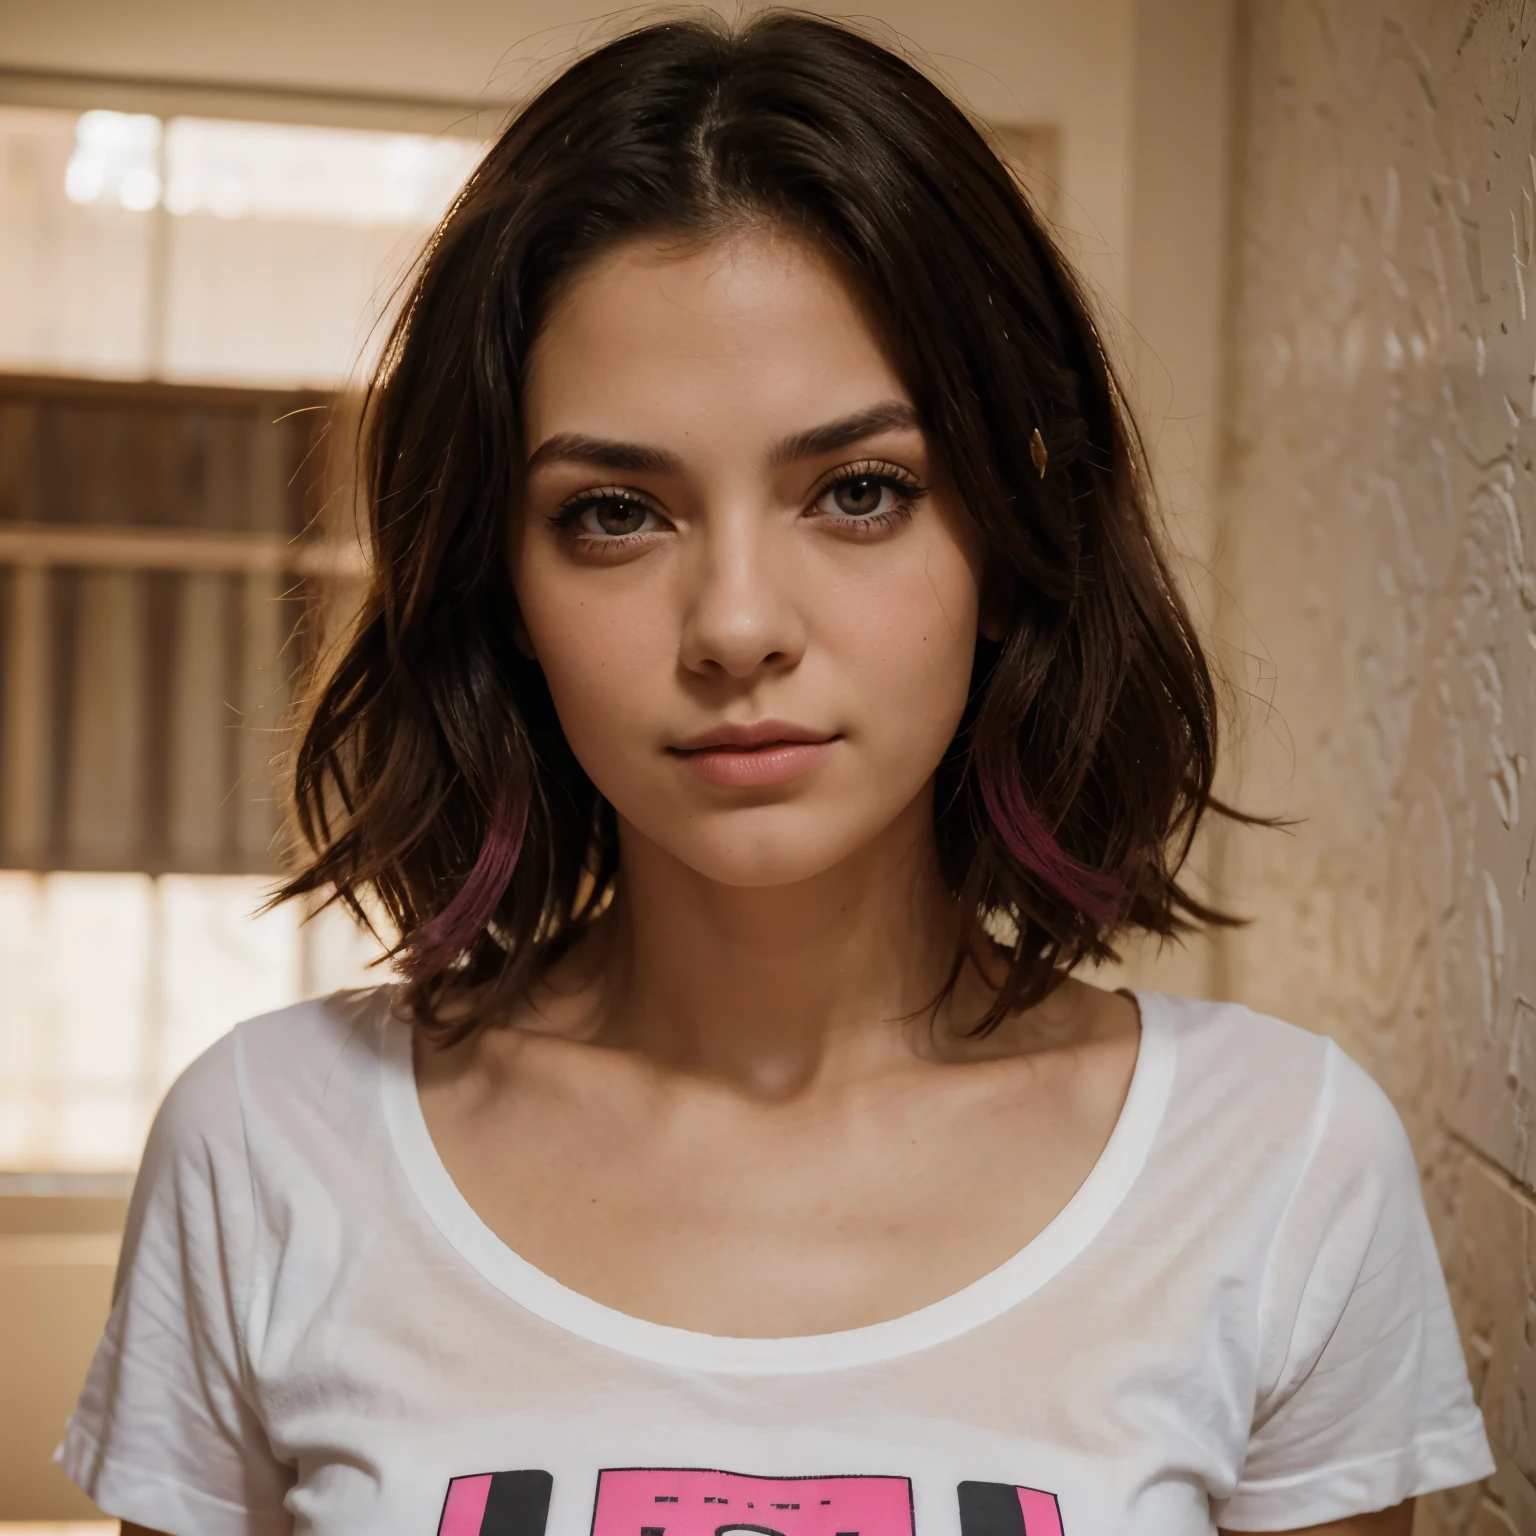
[764,846]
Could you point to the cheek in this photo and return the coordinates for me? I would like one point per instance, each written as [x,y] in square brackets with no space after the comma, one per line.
[910,641]
[605,655]
[889,655]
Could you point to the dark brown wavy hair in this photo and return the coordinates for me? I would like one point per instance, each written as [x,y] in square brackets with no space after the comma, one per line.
[432,780]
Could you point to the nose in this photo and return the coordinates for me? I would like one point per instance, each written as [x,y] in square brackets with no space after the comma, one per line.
[741,615]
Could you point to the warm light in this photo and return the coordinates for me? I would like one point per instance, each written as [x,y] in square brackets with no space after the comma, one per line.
[238,170]
[116,160]
[60,1528]
[210,251]
[114,982]
[313,175]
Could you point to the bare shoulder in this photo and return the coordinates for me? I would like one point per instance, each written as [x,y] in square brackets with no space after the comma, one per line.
[1077,1017]
[1092,1037]
[1089,1015]
[564,1007]
[1077,1050]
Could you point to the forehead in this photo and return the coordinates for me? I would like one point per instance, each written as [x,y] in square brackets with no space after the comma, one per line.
[750,335]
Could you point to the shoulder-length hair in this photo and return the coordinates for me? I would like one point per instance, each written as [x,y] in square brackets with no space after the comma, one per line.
[432,779]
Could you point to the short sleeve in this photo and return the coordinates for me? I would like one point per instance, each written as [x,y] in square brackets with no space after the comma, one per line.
[164,1433]
[1363,1393]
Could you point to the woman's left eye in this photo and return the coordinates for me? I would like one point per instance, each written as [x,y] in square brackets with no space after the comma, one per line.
[867,498]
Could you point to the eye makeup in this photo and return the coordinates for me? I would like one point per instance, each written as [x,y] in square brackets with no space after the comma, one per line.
[886,479]
[611,519]
[581,517]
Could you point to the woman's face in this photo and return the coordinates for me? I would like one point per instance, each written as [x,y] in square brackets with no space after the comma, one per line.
[740,563]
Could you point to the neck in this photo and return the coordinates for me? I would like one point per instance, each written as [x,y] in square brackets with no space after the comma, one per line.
[773,989]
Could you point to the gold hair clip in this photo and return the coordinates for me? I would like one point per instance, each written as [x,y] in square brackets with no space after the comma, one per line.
[1037,451]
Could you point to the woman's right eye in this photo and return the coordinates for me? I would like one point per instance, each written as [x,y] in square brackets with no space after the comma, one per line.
[610,517]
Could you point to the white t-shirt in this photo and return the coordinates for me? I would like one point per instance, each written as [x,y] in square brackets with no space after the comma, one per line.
[1239,1319]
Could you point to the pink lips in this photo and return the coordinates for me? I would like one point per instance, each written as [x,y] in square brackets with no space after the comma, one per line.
[765,753]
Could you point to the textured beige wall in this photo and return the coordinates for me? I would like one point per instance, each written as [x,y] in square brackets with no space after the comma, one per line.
[1170,342]
[1380,560]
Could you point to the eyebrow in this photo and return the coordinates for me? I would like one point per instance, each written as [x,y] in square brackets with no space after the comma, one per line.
[841,433]
[606,453]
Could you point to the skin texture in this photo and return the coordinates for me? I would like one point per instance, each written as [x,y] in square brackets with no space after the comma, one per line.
[744,607]
[729,1110]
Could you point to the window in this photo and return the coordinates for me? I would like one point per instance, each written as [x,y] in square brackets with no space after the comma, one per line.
[203,250]
[166,570]
[185,298]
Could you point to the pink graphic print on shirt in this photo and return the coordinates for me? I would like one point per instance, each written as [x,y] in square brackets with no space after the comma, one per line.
[645,1501]
[1005,1509]
[690,1501]
[497,1504]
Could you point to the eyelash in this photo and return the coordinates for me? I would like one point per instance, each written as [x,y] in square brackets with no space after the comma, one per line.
[907,490]
[567,516]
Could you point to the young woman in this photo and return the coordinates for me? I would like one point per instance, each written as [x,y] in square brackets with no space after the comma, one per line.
[770,691]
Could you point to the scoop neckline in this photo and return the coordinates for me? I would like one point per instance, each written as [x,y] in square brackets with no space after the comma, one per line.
[1049,1252]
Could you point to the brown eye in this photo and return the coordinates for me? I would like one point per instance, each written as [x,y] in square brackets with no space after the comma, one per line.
[866,501]
[615,516]
[611,519]
[858,497]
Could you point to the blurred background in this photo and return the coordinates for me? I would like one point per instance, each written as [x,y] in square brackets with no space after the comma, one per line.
[1309,227]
